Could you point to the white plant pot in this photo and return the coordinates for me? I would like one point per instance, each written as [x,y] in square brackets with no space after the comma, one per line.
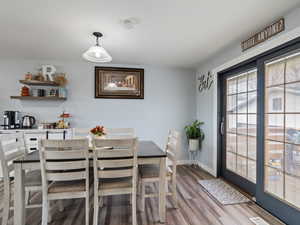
[193,145]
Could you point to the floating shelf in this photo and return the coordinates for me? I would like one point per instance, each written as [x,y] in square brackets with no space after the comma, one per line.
[38,98]
[39,83]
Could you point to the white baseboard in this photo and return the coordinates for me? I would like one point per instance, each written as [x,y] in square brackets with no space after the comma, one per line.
[202,166]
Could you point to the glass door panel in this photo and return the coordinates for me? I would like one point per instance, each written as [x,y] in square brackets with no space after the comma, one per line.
[282,129]
[241,125]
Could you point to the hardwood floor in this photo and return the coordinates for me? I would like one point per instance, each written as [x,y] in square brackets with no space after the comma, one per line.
[196,207]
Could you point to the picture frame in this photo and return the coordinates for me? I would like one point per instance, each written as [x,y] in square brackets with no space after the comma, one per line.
[119,83]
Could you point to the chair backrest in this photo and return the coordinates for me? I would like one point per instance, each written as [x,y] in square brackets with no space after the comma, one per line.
[12,146]
[173,146]
[81,132]
[115,158]
[118,133]
[64,160]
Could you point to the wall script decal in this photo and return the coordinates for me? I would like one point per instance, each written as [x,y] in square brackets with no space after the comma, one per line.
[206,81]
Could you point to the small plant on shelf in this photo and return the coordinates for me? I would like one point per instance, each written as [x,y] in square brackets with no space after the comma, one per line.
[195,135]
[98,131]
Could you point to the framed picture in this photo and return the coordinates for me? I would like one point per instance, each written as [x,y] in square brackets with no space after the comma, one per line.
[119,83]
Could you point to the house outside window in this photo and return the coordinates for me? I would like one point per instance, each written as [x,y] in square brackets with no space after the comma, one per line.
[277,104]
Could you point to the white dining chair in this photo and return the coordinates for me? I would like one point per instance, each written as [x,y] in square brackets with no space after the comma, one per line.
[12,146]
[150,173]
[80,133]
[115,171]
[118,133]
[65,172]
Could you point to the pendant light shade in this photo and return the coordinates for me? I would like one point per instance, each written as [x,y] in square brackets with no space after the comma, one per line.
[97,53]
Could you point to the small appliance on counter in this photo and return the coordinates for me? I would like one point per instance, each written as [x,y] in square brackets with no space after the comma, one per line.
[28,122]
[11,120]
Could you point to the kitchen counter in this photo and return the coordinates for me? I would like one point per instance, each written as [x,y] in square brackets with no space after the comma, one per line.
[32,131]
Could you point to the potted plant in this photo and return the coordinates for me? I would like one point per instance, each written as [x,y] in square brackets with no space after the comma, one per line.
[195,135]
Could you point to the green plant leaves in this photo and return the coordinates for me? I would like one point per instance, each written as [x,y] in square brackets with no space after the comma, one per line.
[194,131]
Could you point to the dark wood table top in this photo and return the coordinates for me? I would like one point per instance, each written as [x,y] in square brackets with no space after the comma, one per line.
[146,149]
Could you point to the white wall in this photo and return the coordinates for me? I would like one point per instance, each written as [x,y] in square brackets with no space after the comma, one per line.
[207,100]
[169,99]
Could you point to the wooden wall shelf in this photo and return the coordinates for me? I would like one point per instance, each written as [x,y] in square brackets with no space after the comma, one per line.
[39,83]
[38,98]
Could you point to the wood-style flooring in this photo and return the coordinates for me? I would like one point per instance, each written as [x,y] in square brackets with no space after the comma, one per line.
[196,207]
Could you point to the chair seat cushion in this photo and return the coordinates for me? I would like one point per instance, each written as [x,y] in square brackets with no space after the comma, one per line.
[33,178]
[115,183]
[152,171]
[67,186]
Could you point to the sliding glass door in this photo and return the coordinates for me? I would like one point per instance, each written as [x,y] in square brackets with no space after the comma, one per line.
[239,128]
[260,130]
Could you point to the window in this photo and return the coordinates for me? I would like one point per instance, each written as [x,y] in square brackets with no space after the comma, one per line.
[277,104]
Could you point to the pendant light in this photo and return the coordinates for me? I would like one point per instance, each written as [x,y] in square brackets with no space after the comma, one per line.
[97,53]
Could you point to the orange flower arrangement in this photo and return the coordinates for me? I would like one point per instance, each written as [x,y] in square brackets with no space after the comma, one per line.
[98,131]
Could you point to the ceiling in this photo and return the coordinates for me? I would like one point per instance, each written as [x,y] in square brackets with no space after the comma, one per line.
[175,33]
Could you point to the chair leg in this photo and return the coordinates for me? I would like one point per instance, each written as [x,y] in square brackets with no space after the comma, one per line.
[6,204]
[45,212]
[87,211]
[27,196]
[101,202]
[174,194]
[96,208]
[134,217]
[143,197]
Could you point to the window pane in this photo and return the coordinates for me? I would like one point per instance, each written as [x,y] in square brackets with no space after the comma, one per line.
[242,145]
[252,102]
[230,142]
[293,69]
[274,93]
[242,83]
[242,124]
[274,154]
[252,148]
[231,161]
[252,170]
[274,181]
[292,190]
[242,103]
[231,123]
[292,160]
[231,103]
[242,166]
[231,86]
[292,123]
[252,125]
[292,97]
[252,81]
[275,74]
[274,127]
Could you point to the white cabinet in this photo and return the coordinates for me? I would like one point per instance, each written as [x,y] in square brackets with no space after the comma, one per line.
[33,136]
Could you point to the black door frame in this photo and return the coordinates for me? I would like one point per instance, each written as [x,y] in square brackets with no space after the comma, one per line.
[283,211]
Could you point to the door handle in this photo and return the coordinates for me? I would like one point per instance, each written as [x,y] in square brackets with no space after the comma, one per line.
[222,127]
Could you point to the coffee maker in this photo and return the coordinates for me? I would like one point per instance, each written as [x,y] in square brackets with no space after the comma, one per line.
[11,120]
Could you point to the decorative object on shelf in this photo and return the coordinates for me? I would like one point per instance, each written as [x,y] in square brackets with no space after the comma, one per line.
[48,71]
[53,92]
[60,79]
[195,136]
[39,77]
[62,92]
[264,35]
[98,131]
[25,91]
[28,76]
[97,53]
[118,83]
[206,82]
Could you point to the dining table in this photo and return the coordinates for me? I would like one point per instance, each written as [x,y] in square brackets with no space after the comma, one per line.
[148,153]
